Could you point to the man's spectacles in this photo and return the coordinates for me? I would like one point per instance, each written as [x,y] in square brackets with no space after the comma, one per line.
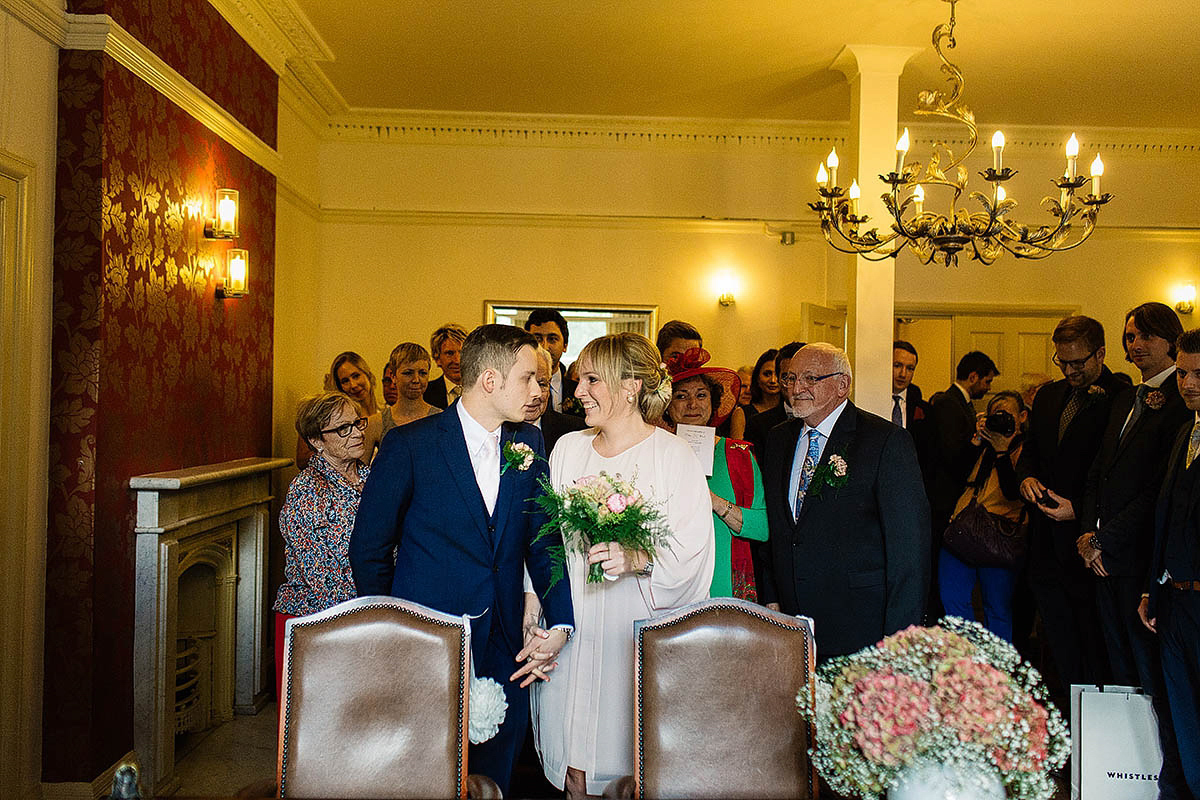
[1074,364]
[344,429]
[808,380]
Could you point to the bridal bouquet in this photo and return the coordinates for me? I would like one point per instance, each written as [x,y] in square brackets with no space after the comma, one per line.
[954,694]
[600,508]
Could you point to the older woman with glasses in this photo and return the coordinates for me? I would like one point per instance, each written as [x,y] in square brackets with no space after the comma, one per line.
[318,513]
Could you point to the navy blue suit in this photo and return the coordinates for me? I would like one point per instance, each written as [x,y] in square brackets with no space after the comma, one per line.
[422,500]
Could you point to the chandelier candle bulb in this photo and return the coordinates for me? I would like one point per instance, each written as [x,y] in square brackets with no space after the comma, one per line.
[832,161]
[854,194]
[1097,171]
[901,151]
[1072,156]
[997,150]
[1001,195]
[822,177]
[919,198]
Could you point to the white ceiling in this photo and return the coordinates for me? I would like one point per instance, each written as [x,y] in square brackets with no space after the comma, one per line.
[1125,63]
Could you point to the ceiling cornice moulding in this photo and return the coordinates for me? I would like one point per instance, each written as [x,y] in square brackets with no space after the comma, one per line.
[100,32]
[45,18]
[567,130]
[1173,142]
[277,30]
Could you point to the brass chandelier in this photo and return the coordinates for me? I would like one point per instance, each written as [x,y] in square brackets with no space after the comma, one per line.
[932,236]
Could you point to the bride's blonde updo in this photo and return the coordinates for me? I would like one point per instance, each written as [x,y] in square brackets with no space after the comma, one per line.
[630,355]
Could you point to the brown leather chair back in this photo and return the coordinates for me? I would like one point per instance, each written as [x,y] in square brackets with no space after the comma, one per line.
[715,703]
[368,709]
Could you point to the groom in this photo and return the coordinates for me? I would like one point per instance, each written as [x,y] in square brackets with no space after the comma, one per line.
[463,532]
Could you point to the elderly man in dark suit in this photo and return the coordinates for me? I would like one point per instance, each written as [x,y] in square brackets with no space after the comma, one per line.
[1065,430]
[849,522]
[1171,605]
[538,412]
[448,520]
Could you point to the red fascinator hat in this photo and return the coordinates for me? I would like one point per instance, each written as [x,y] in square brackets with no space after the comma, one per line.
[690,364]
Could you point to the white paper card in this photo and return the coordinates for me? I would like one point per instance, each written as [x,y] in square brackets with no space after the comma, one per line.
[703,440]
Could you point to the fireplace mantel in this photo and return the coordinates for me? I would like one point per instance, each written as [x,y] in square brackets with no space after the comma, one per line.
[182,515]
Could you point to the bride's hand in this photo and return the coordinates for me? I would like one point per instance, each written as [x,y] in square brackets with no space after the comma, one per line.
[616,560]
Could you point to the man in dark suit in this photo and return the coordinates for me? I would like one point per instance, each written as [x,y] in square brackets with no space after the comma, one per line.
[909,411]
[948,455]
[462,527]
[849,522]
[445,345]
[1171,605]
[1117,512]
[1066,427]
[538,412]
[550,329]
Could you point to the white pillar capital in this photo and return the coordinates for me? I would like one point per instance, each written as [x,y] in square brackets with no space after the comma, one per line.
[873,59]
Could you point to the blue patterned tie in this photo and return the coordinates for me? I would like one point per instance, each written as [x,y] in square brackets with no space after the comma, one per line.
[897,413]
[808,468]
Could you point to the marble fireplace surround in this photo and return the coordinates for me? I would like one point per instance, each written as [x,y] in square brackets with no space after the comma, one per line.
[216,515]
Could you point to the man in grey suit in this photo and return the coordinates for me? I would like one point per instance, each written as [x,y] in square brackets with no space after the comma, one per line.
[848,516]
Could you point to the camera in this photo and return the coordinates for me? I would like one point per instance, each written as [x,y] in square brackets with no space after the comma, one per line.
[1001,422]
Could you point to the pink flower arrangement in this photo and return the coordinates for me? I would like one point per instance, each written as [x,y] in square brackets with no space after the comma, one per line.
[954,693]
[600,508]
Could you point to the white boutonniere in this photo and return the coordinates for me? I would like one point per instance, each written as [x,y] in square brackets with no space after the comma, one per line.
[519,455]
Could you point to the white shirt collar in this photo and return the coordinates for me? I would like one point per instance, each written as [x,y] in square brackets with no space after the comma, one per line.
[556,390]
[964,392]
[903,394]
[475,434]
[826,425]
[1161,378]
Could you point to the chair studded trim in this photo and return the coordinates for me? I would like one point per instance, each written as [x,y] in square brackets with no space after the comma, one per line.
[801,625]
[360,606]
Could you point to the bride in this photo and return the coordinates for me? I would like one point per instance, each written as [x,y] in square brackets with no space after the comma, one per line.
[583,716]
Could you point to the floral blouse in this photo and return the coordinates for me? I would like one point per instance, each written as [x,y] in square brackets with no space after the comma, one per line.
[316,521]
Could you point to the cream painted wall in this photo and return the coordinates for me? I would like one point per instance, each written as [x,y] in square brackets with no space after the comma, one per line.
[28,108]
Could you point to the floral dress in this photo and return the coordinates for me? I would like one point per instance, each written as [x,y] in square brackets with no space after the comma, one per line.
[316,521]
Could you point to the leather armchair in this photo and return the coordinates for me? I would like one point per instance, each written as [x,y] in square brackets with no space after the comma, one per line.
[375,704]
[715,715]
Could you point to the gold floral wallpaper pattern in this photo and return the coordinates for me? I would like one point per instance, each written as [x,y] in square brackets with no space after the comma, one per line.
[150,371]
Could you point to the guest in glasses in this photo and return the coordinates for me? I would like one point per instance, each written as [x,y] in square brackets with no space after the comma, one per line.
[318,513]
[848,518]
[350,375]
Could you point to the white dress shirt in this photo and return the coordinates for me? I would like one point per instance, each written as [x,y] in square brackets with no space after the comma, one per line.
[483,446]
[556,390]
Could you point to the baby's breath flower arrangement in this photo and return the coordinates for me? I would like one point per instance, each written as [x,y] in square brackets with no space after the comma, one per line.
[600,508]
[951,694]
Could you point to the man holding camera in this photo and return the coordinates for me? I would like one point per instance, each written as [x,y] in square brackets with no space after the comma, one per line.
[1066,426]
[1117,513]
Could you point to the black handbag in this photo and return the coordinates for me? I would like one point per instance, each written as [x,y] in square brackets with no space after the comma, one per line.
[979,538]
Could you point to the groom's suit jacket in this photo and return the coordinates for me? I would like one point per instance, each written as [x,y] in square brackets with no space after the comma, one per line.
[857,559]
[422,500]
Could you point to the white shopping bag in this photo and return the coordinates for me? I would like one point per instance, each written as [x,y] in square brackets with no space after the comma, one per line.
[1115,753]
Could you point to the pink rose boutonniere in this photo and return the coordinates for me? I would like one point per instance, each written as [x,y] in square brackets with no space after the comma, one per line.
[1155,400]
[519,455]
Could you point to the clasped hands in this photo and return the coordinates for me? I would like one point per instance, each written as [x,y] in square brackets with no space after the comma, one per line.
[539,654]
[1091,554]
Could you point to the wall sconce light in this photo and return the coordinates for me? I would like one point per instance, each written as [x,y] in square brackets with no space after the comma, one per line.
[725,284]
[1185,298]
[224,224]
[237,266]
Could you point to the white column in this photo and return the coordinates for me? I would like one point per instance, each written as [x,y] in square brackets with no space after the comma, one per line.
[874,75]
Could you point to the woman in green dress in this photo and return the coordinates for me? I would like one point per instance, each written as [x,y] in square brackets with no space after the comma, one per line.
[706,396]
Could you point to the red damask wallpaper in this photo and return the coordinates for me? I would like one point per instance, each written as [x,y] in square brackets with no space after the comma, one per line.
[195,40]
[150,371]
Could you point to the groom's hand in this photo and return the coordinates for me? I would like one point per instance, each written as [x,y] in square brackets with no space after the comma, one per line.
[539,654]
